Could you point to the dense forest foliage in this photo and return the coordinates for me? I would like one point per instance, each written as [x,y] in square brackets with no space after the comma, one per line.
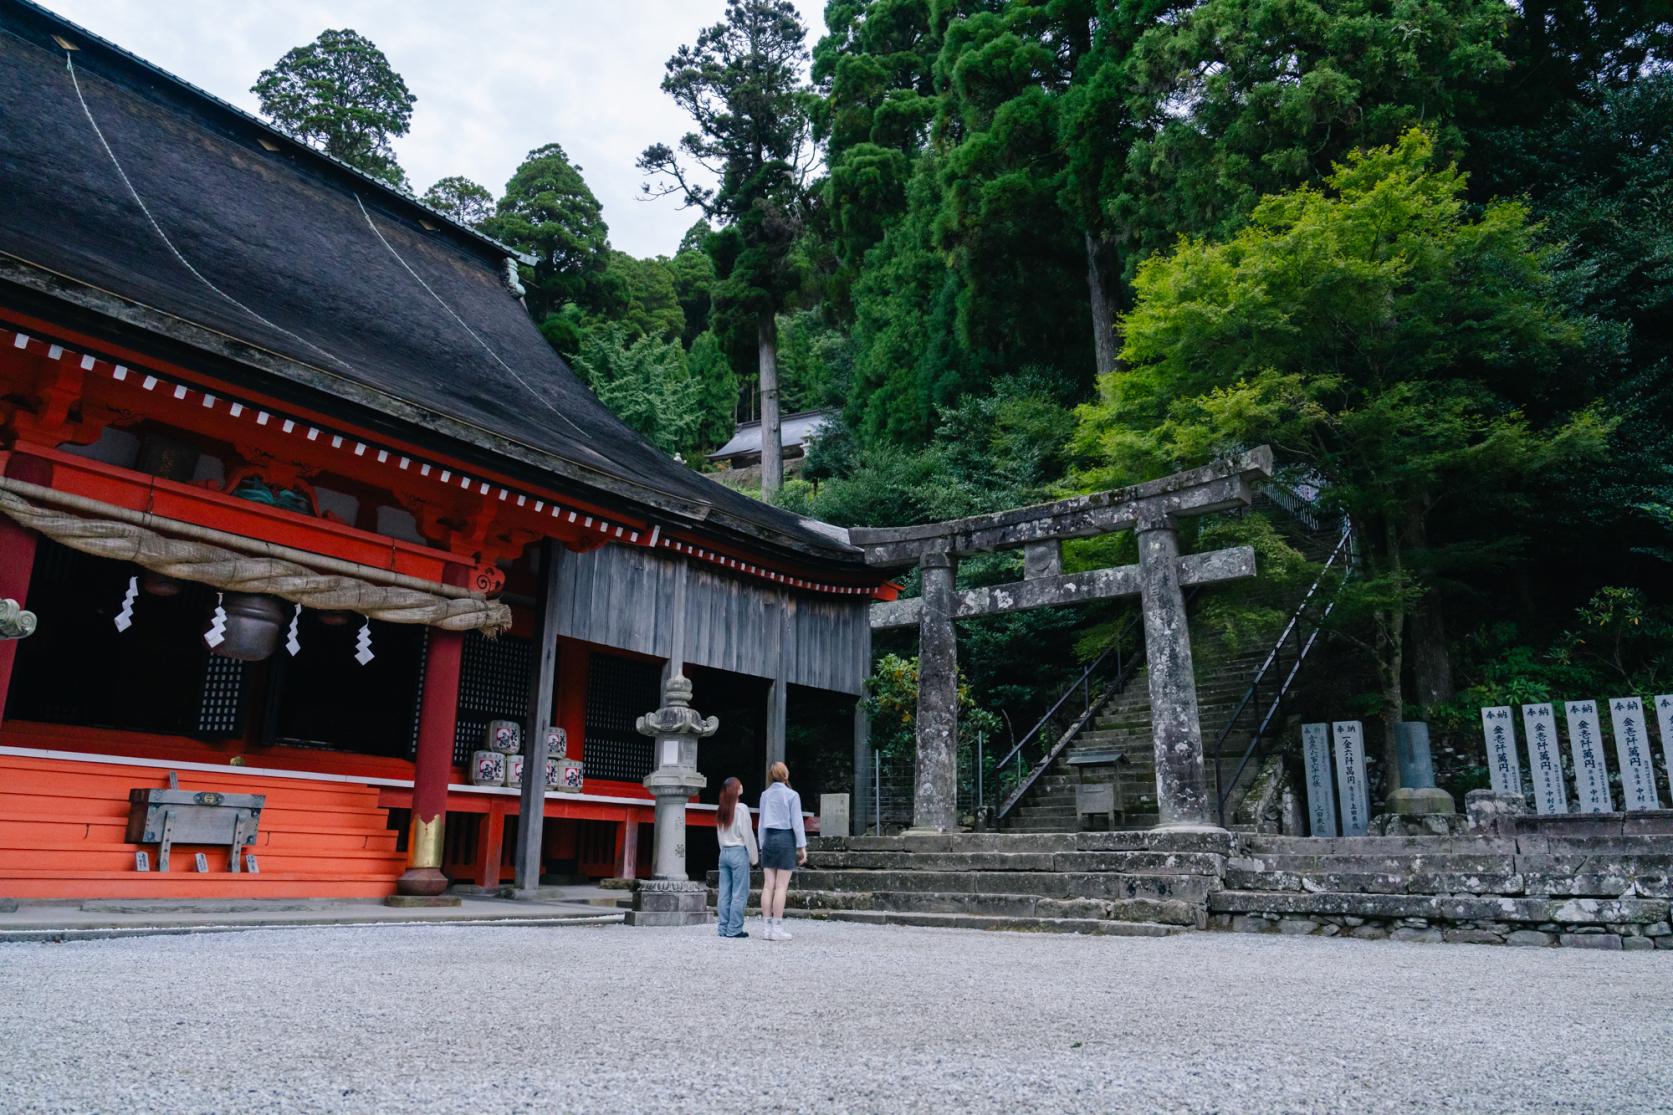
[1423,248]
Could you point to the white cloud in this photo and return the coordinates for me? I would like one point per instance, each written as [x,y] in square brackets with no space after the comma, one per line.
[494,79]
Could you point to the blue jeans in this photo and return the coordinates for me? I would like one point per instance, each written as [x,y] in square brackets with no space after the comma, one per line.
[734,890]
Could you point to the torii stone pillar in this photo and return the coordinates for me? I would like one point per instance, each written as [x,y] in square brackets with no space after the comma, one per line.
[1176,728]
[935,800]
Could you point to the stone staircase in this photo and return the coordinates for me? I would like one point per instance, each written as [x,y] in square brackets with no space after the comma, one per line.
[1223,676]
[1113,883]
[1601,881]
[1124,726]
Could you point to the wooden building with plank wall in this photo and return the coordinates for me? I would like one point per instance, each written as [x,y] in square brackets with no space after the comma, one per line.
[238,376]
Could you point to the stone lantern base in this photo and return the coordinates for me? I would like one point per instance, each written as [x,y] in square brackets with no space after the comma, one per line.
[669,902]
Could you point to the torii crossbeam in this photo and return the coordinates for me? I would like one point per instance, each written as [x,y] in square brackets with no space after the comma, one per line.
[1152,510]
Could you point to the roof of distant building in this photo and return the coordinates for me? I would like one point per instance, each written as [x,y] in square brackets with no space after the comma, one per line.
[795,430]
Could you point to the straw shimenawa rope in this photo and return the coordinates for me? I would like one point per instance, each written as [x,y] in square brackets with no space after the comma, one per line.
[225,569]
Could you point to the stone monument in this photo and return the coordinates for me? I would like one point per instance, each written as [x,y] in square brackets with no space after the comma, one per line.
[668,897]
[1418,795]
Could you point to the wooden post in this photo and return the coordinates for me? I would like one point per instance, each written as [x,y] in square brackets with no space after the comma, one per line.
[542,684]
[571,699]
[778,689]
[438,716]
[490,845]
[627,849]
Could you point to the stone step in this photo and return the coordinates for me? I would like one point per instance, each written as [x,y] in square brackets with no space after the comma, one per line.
[1571,911]
[1259,844]
[1019,925]
[1002,904]
[1514,883]
[1045,884]
[1450,862]
[1136,862]
[1143,841]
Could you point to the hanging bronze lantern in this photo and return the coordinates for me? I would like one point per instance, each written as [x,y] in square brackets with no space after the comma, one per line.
[254,623]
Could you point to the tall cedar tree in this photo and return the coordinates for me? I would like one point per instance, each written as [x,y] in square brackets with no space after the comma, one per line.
[461,199]
[1385,341]
[741,83]
[549,212]
[340,95]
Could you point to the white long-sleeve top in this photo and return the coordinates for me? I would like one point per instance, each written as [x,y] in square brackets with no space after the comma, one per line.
[740,832]
[781,808]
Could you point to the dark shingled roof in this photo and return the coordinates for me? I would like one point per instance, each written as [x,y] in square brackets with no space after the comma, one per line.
[284,234]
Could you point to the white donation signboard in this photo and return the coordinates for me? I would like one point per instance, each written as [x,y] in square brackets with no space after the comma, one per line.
[1502,767]
[1632,748]
[1585,741]
[1350,775]
[1321,796]
[1545,759]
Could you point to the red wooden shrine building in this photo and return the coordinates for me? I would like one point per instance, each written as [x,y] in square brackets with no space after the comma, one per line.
[241,380]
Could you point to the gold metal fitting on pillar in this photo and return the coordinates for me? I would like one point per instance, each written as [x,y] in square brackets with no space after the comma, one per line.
[424,841]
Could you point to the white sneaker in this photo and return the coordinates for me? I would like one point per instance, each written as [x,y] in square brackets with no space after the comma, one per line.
[769,931]
[781,933]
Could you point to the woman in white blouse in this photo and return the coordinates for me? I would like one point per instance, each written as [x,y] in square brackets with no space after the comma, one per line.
[737,852]
[783,847]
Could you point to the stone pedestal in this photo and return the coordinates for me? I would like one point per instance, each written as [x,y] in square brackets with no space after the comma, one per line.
[1418,795]
[669,902]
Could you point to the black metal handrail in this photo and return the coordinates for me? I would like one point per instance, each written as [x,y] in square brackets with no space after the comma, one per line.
[1273,663]
[1125,665]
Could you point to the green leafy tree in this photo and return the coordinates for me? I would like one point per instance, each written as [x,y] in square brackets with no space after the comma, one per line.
[548,211]
[1239,98]
[645,383]
[640,294]
[339,94]
[460,199]
[741,84]
[717,385]
[694,281]
[1382,339]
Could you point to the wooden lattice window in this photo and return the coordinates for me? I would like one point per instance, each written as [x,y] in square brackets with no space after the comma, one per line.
[619,692]
[493,685]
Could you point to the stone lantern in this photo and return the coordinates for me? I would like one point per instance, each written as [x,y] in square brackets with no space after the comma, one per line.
[668,897]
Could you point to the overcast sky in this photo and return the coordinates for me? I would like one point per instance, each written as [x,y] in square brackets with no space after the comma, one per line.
[494,78]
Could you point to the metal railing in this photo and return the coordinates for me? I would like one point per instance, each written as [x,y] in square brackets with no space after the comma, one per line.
[1014,773]
[1265,695]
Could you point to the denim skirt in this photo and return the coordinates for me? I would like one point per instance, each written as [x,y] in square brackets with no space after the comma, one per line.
[778,849]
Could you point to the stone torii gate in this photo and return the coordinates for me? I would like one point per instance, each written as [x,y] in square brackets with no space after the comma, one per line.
[1152,510]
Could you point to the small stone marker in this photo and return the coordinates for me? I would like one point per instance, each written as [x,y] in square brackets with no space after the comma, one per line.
[1591,773]
[1632,748]
[1321,795]
[1545,759]
[1350,774]
[1664,721]
[142,861]
[833,814]
[202,862]
[1502,767]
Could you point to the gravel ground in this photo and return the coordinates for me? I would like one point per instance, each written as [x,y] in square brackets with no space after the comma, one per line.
[845,1017]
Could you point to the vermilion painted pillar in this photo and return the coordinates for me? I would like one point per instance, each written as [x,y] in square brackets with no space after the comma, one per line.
[17,562]
[438,716]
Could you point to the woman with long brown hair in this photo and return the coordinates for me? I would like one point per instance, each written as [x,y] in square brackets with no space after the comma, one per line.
[783,847]
[737,852]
